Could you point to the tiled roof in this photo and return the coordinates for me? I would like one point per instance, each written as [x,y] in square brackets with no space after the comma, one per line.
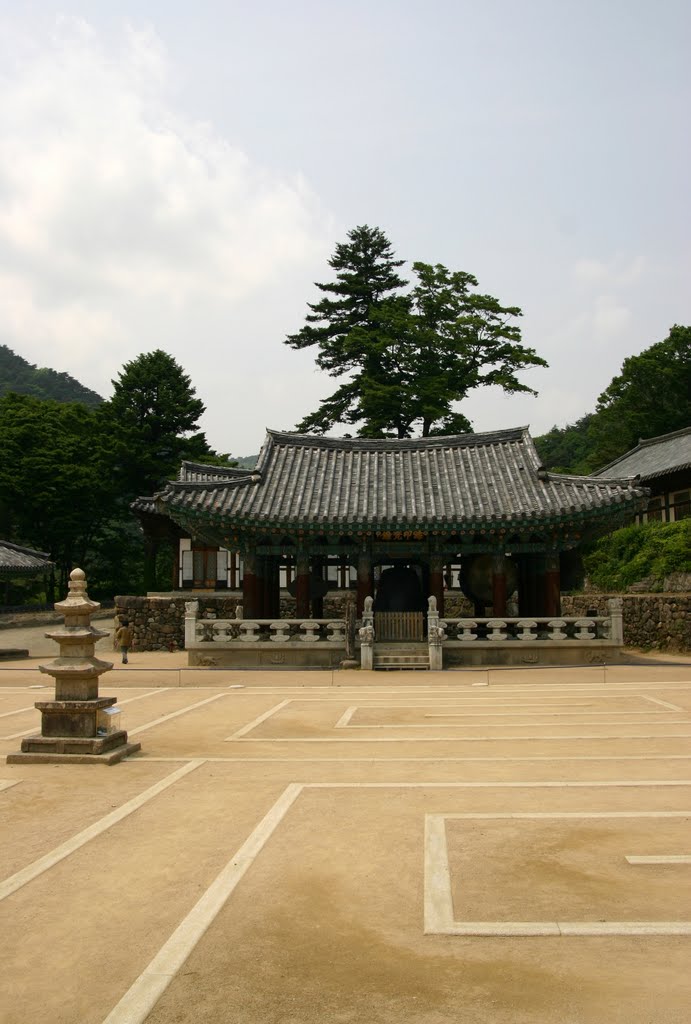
[194,472]
[463,479]
[657,456]
[19,561]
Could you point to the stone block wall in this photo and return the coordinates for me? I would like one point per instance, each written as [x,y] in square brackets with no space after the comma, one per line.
[654,621]
[658,621]
[158,623]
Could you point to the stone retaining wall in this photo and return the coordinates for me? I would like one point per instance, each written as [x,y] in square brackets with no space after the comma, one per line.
[657,621]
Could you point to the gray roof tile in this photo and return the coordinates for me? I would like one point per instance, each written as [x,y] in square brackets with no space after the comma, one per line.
[654,457]
[19,561]
[465,478]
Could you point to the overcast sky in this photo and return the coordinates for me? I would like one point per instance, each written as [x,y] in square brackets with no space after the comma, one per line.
[176,175]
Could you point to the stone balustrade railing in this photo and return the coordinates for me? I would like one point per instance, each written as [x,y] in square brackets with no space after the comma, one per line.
[526,629]
[506,630]
[247,631]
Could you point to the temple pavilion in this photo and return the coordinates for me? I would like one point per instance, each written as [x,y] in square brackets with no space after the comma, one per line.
[395,520]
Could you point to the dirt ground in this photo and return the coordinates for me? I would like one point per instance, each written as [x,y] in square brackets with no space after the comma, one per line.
[496,847]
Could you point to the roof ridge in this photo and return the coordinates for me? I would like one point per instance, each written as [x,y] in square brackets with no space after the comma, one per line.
[392,443]
[24,550]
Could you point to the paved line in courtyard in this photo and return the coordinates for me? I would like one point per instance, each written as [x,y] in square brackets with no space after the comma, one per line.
[6,714]
[142,996]
[257,721]
[174,714]
[438,898]
[664,703]
[8,783]
[528,725]
[682,858]
[345,717]
[37,868]
[542,714]
[129,700]
[455,739]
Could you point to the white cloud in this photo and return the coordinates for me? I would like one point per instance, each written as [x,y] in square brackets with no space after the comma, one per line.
[125,226]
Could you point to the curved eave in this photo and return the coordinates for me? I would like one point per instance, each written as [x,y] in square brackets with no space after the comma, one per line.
[620,506]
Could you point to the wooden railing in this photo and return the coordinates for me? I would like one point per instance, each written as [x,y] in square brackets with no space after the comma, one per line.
[400,626]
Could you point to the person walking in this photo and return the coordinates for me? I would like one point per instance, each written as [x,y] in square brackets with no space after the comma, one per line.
[123,639]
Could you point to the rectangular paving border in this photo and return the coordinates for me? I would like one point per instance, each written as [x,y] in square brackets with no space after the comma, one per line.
[139,1000]
[439,915]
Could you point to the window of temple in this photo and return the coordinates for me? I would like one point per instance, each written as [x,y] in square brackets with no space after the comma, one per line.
[208,568]
[655,511]
[681,505]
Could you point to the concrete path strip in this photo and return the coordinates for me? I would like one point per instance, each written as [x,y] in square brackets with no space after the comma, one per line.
[142,996]
[37,868]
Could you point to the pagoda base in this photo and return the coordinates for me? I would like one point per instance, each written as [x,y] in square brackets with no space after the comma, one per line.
[75,749]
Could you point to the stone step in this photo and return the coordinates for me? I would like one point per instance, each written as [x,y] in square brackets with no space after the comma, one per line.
[401,661]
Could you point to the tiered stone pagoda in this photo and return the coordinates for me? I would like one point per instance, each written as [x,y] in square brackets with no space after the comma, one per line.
[73,725]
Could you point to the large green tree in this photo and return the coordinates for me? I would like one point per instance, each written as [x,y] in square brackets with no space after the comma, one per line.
[56,486]
[650,396]
[344,325]
[408,356]
[155,412]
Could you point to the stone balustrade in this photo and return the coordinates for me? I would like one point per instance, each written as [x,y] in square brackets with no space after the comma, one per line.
[239,630]
[508,630]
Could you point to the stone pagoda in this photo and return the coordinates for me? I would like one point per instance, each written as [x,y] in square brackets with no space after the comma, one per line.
[75,726]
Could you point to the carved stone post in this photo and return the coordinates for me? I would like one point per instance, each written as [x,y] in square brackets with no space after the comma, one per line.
[349,660]
[367,636]
[364,579]
[191,612]
[615,606]
[435,635]
[74,725]
[436,580]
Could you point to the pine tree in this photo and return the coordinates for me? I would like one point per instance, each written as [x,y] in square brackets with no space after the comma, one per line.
[155,412]
[345,328]
[410,356]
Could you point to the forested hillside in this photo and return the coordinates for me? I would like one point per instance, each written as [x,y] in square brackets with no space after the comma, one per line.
[650,396]
[22,377]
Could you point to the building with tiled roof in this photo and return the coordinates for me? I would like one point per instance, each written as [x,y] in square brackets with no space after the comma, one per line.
[663,464]
[373,514]
[17,561]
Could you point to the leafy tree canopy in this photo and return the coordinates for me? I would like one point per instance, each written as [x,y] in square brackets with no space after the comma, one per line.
[56,487]
[409,356]
[650,396]
[154,411]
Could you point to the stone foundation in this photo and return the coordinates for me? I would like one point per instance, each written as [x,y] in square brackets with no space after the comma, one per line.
[658,621]
[651,621]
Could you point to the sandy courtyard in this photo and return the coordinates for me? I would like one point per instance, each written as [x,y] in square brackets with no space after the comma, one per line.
[496,848]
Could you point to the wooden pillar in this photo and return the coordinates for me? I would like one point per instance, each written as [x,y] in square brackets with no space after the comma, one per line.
[527,604]
[266,564]
[499,584]
[436,580]
[302,586]
[318,599]
[249,585]
[364,578]
[540,589]
[552,585]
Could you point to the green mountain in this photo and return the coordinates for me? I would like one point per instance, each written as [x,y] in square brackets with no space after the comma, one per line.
[16,374]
